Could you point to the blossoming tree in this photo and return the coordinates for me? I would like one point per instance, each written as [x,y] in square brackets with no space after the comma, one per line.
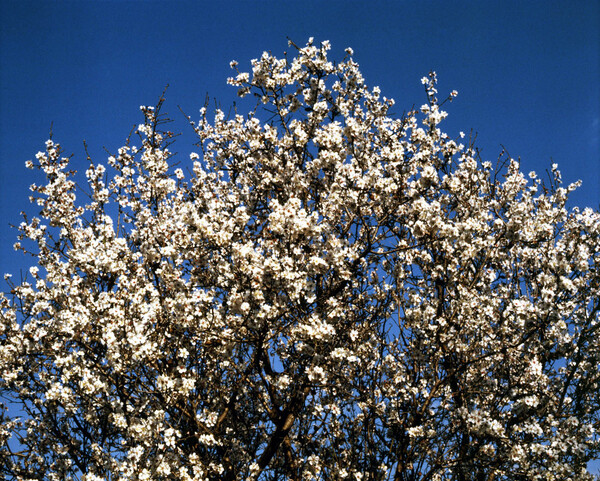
[328,293]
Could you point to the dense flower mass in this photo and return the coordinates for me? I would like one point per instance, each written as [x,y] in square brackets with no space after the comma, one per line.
[328,293]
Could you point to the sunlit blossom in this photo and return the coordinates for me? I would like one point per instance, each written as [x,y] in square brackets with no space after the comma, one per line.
[328,292]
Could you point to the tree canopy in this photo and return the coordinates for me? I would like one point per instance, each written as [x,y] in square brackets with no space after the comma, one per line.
[328,292]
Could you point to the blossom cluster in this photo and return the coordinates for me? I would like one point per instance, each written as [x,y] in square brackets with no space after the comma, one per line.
[329,293]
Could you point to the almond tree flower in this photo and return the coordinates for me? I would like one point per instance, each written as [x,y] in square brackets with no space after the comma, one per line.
[334,292]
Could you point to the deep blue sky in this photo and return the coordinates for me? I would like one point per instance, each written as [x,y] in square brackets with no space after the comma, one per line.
[527,73]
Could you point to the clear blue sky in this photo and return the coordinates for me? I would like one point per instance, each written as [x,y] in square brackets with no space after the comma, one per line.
[527,73]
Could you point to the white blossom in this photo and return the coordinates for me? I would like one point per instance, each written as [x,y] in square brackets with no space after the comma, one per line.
[328,292]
